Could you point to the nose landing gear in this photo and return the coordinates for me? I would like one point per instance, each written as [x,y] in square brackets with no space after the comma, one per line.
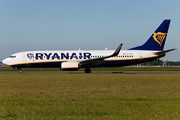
[20,71]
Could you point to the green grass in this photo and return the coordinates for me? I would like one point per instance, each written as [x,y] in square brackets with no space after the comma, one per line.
[103,69]
[90,96]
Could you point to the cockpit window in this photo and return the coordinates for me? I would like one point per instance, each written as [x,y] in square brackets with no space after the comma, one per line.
[12,56]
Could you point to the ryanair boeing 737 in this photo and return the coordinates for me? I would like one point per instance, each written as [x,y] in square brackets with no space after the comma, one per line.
[73,60]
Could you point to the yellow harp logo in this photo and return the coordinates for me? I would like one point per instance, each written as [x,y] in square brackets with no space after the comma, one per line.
[159,37]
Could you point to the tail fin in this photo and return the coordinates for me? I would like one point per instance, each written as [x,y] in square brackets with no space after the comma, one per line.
[157,39]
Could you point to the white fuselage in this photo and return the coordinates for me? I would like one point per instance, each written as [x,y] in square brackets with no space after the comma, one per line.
[54,58]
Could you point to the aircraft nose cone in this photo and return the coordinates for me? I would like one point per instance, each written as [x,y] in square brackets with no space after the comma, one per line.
[5,61]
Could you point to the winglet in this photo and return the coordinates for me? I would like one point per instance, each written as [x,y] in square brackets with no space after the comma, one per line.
[117,50]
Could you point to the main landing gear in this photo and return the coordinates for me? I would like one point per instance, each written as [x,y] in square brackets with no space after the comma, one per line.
[87,70]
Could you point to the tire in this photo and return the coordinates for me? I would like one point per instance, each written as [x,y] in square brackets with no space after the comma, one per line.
[87,70]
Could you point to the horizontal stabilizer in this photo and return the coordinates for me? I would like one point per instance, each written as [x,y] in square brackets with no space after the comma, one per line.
[163,52]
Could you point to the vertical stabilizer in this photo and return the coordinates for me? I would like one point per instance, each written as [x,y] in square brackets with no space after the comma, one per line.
[157,39]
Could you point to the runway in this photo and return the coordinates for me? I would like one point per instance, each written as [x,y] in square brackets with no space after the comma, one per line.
[120,73]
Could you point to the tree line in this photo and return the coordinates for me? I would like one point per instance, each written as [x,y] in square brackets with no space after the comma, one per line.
[161,62]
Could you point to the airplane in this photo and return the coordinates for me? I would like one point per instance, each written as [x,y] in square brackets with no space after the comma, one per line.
[72,60]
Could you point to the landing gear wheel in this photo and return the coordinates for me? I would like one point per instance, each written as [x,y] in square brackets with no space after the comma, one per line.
[87,70]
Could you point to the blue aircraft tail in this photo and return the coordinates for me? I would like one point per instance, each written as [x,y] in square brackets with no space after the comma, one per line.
[157,39]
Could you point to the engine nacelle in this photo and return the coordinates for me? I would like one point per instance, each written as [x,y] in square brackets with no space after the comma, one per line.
[70,66]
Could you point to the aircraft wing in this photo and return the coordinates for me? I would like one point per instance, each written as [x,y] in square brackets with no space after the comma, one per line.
[163,52]
[100,60]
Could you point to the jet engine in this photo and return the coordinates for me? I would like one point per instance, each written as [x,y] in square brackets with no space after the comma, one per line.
[70,65]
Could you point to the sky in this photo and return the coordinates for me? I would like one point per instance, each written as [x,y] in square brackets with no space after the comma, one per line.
[27,25]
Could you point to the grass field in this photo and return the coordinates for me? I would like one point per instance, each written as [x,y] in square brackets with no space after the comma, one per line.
[38,94]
